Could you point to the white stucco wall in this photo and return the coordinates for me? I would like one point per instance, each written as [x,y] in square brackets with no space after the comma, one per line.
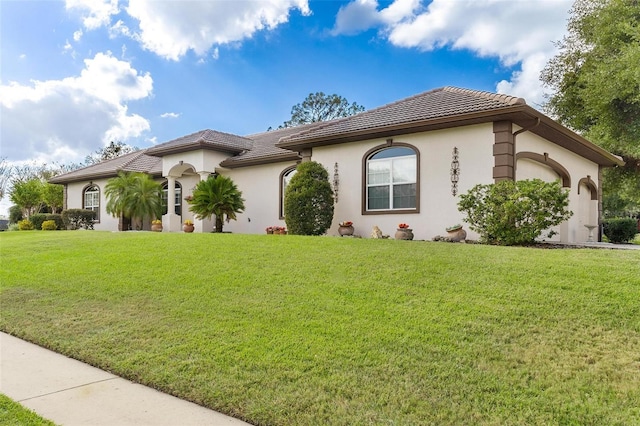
[585,210]
[260,186]
[201,160]
[75,201]
[438,207]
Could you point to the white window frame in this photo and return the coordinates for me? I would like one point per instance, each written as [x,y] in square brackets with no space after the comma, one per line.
[391,163]
[94,200]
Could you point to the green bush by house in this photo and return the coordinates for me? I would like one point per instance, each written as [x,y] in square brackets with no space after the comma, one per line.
[515,213]
[620,229]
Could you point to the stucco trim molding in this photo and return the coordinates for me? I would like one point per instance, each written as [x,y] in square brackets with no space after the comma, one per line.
[547,161]
[591,185]
[503,151]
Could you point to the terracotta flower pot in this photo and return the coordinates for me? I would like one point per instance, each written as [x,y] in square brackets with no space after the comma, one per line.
[156,227]
[457,235]
[404,234]
[345,230]
[188,228]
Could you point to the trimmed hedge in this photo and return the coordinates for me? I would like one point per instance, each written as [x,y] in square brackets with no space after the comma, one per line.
[49,225]
[37,220]
[78,218]
[57,218]
[620,229]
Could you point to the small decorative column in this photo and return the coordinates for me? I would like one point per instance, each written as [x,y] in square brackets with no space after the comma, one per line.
[205,225]
[171,220]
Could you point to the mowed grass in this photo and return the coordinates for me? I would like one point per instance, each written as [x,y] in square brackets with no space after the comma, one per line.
[291,330]
[14,414]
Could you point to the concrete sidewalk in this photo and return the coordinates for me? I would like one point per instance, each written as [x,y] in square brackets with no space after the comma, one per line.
[69,392]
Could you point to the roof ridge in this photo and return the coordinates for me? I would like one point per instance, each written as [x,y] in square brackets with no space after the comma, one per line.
[210,131]
[323,124]
[500,97]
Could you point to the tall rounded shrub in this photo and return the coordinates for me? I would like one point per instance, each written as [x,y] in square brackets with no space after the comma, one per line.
[620,229]
[308,200]
[515,213]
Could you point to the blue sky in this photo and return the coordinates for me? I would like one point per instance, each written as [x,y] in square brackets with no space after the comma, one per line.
[76,74]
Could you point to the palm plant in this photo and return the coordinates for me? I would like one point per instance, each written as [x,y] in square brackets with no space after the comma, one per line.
[217,196]
[134,195]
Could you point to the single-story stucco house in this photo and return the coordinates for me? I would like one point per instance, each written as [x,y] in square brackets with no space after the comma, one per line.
[407,161]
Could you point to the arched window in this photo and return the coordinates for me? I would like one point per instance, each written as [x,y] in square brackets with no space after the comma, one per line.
[285,178]
[91,199]
[391,180]
[177,202]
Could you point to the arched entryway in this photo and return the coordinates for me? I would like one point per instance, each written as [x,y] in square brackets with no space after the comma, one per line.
[587,209]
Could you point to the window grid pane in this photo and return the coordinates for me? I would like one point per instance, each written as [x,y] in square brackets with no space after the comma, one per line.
[378,198]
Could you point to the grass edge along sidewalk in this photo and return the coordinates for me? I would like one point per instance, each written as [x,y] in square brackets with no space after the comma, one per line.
[303,330]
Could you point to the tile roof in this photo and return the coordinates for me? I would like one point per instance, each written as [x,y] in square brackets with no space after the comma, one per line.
[137,161]
[430,105]
[204,139]
[264,147]
[443,107]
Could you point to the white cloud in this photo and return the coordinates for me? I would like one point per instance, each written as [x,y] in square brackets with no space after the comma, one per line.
[170,115]
[95,13]
[22,56]
[63,120]
[77,35]
[171,28]
[516,32]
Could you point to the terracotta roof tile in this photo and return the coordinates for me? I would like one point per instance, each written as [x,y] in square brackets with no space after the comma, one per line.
[264,147]
[204,139]
[434,104]
[136,161]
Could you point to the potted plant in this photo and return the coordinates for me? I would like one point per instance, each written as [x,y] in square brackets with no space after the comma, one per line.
[269,230]
[404,232]
[156,225]
[455,233]
[345,228]
[188,226]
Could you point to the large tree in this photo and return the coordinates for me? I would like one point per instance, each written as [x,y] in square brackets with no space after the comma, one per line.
[5,176]
[109,152]
[28,196]
[320,107]
[596,86]
[217,196]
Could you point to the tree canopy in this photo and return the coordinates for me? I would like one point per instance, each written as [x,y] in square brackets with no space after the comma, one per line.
[320,107]
[596,85]
[109,152]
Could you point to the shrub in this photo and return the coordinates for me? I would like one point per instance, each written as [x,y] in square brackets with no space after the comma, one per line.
[620,229]
[78,218]
[57,218]
[49,225]
[308,201]
[512,213]
[25,225]
[37,220]
[15,214]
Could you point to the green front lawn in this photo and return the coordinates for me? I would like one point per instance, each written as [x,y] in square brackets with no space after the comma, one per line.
[14,414]
[289,330]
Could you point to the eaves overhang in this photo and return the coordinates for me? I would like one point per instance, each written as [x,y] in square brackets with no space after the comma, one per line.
[520,114]
[198,145]
[232,163]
